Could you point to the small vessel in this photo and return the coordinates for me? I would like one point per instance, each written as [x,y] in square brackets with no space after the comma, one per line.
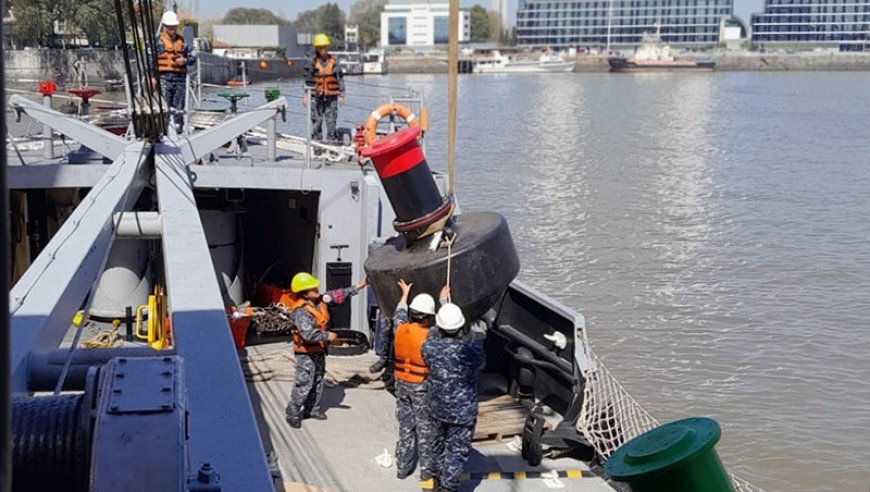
[259,64]
[372,62]
[546,63]
[354,60]
[653,56]
[375,62]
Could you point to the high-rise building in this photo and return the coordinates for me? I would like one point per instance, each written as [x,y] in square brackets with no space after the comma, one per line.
[501,7]
[842,24]
[620,23]
[420,23]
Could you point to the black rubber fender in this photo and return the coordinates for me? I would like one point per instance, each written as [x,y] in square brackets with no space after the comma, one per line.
[484,261]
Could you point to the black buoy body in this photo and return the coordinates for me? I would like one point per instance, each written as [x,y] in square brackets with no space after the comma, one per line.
[408,183]
[484,261]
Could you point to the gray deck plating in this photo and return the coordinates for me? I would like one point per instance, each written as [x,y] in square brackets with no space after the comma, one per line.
[338,454]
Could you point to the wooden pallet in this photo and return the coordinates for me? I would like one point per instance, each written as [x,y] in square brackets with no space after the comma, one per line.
[499,418]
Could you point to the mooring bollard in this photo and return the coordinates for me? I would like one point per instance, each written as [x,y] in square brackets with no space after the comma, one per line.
[676,457]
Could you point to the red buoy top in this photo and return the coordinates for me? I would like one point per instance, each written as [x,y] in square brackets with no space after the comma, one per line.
[396,153]
[84,92]
[47,88]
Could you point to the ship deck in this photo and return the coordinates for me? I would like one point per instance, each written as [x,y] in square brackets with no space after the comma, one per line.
[338,454]
[29,169]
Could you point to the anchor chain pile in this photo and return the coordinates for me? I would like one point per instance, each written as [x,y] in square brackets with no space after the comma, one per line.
[273,320]
[610,416]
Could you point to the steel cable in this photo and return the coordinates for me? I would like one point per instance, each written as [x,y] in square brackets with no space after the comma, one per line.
[49,443]
[127,66]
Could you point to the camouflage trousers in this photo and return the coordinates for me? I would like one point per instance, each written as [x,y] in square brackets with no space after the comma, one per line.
[416,429]
[324,110]
[174,87]
[308,387]
[385,345]
[451,449]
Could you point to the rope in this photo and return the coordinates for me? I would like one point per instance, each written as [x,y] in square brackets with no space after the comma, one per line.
[449,260]
[103,339]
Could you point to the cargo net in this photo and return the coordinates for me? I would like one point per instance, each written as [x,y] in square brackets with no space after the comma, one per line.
[610,416]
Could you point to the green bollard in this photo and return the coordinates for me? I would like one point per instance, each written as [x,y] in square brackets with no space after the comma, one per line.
[675,457]
[272,93]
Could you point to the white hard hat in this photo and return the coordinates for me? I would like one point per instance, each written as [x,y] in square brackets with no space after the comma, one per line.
[423,303]
[169,18]
[450,318]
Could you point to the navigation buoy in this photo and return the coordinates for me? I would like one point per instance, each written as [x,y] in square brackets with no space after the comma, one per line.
[483,263]
[407,180]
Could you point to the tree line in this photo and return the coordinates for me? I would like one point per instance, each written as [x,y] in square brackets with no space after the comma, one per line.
[366,14]
[34,21]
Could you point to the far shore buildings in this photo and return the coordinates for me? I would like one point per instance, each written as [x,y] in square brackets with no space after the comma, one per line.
[619,24]
[842,25]
[420,23]
[502,8]
[794,24]
[258,41]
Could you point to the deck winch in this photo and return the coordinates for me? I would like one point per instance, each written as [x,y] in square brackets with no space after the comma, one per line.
[482,258]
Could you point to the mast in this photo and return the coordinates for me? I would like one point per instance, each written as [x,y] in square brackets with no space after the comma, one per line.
[452,89]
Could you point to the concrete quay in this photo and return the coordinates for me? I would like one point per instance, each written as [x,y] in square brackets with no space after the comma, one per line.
[726,61]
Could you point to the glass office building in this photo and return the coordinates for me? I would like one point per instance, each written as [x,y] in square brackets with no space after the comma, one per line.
[398,30]
[841,24]
[423,23]
[620,23]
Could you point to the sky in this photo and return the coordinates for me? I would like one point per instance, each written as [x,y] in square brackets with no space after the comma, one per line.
[289,8]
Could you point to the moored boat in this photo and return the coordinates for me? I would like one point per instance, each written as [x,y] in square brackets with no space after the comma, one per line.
[499,63]
[653,56]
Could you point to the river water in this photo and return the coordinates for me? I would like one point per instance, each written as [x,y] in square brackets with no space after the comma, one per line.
[714,229]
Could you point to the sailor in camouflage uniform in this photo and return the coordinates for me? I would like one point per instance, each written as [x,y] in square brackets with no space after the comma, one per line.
[310,317]
[453,361]
[415,422]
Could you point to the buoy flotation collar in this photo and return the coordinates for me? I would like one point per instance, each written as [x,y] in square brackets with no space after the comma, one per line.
[370,131]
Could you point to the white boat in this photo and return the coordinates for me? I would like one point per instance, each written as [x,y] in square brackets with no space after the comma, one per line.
[498,63]
[372,62]
[375,62]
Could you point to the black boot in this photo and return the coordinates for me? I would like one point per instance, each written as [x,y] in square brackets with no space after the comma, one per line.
[378,366]
[316,415]
[294,422]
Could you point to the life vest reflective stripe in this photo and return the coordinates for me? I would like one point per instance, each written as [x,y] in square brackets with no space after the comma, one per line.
[409,339]
[325,80]
[320,313]
[172,50]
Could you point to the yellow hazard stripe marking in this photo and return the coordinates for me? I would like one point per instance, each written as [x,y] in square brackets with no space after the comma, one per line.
[520,475]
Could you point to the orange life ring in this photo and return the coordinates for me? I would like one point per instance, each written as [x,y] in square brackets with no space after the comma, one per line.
[370,130]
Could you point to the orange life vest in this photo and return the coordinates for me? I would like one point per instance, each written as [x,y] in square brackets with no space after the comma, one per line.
[173,49]
[410,366]
[321,318]
[325,80]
